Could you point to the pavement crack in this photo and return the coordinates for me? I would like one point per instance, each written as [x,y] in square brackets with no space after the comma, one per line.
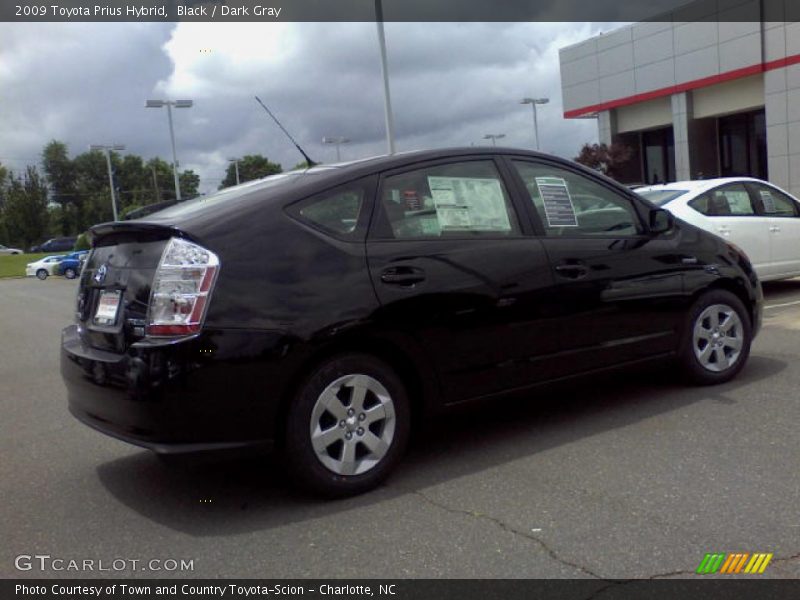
[506,527]
[787,558]
[612,582]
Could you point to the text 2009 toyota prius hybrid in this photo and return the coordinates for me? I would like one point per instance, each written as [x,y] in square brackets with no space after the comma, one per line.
[319,310]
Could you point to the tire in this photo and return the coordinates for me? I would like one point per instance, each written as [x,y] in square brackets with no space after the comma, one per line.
[716,338]
[339,442]
[41,274]
[69,273]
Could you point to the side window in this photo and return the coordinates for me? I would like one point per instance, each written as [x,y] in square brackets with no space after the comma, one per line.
[775,203]
[570,204]
[451,200]
[702,204]
[731,201]
[335,211]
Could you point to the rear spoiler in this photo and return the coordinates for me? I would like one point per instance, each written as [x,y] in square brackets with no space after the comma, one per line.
[112,227]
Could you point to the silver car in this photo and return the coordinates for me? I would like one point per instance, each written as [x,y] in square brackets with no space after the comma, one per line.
[6,250]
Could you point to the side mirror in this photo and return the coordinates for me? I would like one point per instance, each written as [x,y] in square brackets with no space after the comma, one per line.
[661,220]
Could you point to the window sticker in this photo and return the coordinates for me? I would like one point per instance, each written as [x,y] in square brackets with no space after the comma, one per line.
[467,203]
[768,201]
[558,208]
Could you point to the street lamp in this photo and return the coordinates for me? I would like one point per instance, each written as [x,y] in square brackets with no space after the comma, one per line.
[107,151]
[387,97]
[494,137]
[533,102]
[338,141]
[235,162]
[169,104]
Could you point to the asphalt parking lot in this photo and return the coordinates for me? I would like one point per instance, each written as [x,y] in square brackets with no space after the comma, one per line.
[631,475]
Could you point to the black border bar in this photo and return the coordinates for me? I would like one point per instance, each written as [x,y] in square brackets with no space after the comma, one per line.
[396,10]
[703,587]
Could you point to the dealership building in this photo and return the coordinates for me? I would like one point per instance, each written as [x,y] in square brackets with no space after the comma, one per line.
[711,89]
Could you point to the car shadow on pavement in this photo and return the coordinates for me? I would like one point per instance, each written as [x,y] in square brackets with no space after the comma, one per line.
[224,497]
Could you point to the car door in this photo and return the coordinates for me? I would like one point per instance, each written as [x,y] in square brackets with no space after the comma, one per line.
[618,287]
[453,265]
[782,215]
[733,216]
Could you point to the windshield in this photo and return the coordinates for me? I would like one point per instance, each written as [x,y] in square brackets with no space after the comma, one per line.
[661,197]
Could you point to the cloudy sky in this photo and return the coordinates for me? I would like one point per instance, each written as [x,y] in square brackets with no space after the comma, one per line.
[451,83]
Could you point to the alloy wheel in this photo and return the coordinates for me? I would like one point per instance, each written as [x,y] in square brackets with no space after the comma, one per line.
[718,337]
[352,424]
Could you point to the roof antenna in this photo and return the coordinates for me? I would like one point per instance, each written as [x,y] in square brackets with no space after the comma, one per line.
[309,162]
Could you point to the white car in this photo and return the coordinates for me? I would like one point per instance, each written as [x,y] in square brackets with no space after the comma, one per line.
[44,267]
[761,219]
[7,250]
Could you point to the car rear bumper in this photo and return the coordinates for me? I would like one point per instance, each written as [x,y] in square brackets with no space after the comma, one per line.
[155,398]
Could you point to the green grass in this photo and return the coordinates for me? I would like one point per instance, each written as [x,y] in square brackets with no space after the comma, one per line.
[14,264]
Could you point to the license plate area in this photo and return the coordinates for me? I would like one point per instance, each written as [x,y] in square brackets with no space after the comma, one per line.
[107,308]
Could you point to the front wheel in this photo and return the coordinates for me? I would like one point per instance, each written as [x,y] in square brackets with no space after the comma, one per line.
[41,274]
[717,338]
[70,273]
[347,427]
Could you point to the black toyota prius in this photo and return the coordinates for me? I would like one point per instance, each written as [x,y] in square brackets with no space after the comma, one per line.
[317,311]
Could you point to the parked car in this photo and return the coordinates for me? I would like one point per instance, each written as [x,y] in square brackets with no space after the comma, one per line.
[44,267]
[7,250]
[61,244]
[371,292]
[71,265]
[760,218]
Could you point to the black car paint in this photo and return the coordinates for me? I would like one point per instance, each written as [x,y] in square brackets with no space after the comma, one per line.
[488,317]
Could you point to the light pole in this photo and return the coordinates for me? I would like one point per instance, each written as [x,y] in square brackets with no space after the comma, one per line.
[169,104]
[235,162]
[107,151]
[494,137]
[387,98]
[533,102]
[338,141]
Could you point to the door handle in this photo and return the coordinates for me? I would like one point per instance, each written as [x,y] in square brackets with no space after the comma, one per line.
[404,276]
[723,231]
[571,271]
[775,229]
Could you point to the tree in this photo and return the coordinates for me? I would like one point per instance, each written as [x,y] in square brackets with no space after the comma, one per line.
[162,181]
[61,175]
[189,182]
[93,200]
[4,239]
[609,160]
[25,213]
[252,166]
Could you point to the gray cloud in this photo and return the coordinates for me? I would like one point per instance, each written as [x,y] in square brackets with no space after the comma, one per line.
[451,84]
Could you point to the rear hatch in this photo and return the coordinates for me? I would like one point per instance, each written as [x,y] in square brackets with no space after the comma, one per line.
[116,283]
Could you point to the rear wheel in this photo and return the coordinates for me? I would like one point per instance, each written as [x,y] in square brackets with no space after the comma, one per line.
[41,274]
[717,338]
[347,427]
[69,273]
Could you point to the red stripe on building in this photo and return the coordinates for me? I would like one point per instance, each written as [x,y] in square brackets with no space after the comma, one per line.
[685,87]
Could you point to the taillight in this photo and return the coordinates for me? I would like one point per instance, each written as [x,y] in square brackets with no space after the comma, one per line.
[181,288]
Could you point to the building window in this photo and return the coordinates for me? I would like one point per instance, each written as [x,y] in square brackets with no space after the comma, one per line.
[743,145]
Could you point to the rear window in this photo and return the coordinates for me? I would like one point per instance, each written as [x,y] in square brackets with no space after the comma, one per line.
[183,209]
[660,197]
